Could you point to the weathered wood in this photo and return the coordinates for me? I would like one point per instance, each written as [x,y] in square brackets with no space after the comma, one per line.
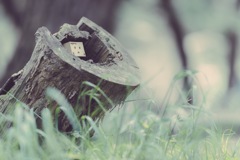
[107,65]
[29,15]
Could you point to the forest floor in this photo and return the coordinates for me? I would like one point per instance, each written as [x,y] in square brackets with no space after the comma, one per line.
[143,30]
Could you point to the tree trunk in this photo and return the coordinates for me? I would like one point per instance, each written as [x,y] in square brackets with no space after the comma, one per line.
[232,40]
[178,33]
[28,15]
[106,65]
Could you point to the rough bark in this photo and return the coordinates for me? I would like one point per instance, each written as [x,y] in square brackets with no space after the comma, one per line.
[107,65]
[29,15]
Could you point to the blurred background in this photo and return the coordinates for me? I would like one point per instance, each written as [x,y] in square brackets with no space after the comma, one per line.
[163,36]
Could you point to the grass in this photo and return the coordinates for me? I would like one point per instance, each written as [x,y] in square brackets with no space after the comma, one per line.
[130,132]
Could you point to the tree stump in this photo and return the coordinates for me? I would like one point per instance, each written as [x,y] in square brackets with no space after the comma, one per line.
[107,65]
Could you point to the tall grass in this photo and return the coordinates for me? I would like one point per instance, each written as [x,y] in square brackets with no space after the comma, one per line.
[129,133]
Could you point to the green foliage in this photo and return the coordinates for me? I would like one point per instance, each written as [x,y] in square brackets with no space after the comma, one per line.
[130,133]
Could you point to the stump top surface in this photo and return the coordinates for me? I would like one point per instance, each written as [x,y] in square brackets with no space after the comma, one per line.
[122,69]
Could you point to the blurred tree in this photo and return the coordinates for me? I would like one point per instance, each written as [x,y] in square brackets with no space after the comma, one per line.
[29,15]
[221,17]
[238,4]
[179,34]
[232,40]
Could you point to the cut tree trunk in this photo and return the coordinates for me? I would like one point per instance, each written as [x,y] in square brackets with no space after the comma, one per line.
[107,65]
[29,15]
